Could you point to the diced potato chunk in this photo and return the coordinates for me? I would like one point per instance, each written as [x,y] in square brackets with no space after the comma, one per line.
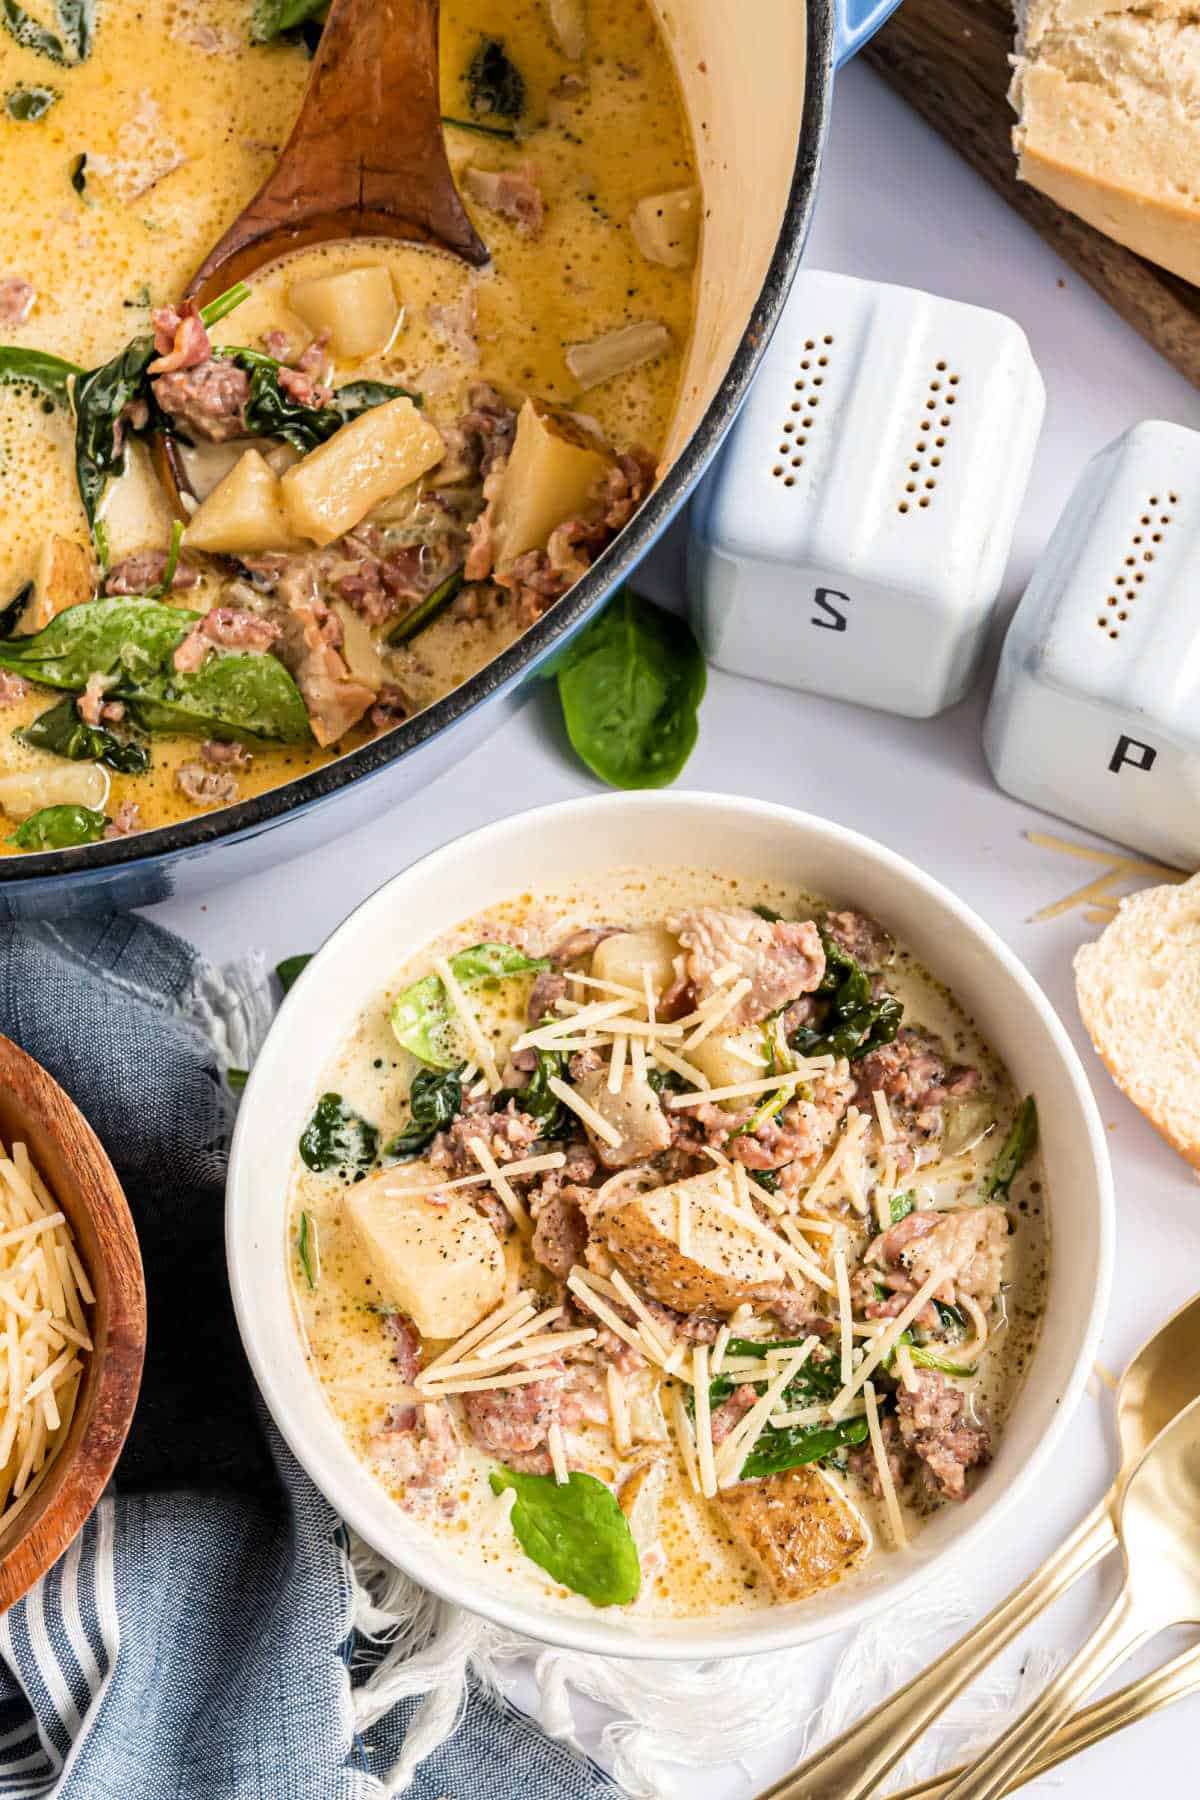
[728,1057]
[357,307]
[634,1111]
[25,791]
[724,1263]
[666,227]
[552,473]
[441,1264]
[568,22]
[64,579]
[625,956]
[796,1527]
[331,489]
[244,512]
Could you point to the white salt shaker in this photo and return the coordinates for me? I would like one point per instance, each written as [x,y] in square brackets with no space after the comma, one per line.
[852,535]
[1095,714]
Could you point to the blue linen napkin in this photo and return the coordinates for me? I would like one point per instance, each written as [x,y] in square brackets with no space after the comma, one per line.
[195,1642]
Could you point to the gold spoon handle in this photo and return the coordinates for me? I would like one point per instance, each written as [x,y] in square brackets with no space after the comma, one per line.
[1120,1632]
[1174,1681]
[855,1764]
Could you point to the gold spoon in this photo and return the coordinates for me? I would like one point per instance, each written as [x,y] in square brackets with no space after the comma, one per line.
[1176,1680]
[1159,1525]
[1163,1377]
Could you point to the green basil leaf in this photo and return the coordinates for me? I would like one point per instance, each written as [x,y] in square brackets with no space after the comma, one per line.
[494,82]
[27,104]
[48,375]
[62,732]
[1015,1151]
[434,1102]
[291,968]
[630,686]
[576,1532]
[60,827]
[337,1138]
[421,1016]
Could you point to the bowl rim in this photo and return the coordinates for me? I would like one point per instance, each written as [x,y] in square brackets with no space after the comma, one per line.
[113,1381]
[272,808]
[576,1632]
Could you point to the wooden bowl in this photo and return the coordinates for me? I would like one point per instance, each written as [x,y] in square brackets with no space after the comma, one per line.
[69,1156]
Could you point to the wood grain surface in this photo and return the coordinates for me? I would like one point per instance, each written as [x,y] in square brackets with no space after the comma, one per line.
[949,60]
[367,155]
[72,1161]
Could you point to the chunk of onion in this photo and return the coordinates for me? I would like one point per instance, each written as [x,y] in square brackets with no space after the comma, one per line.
[617,352]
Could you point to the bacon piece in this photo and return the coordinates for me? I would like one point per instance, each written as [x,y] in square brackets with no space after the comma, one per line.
[125,821]
[16,299]
[205,787]
[180,339]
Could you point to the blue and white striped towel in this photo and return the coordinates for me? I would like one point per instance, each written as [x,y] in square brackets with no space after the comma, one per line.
[196,1641]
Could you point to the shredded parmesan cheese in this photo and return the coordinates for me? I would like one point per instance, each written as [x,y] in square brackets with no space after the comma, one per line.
[885,1341]
[495,1175]
[890,1502]
[558,1454]
[685,1440]
[527,1165]
[470,1024]
[740,1442]
[600,1125]
[887,1125]
[845,1318]
[616,1066]
[713,1014]
[522,1304]
[681,1066]
[704,1443]
[766,1084]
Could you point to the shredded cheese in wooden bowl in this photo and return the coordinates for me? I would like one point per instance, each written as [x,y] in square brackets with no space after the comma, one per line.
[45,1334]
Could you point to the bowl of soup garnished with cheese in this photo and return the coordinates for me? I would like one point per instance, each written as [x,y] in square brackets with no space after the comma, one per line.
[668,1247]
[402,480]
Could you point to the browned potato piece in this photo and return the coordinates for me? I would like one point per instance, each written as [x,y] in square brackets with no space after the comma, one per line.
[634,1110]
[64,579]
[724,1264]
[552,473]
[335,486]
[799,1531]
[357,307]
[244,513]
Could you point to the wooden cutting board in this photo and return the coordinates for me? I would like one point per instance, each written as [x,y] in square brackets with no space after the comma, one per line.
[949,60]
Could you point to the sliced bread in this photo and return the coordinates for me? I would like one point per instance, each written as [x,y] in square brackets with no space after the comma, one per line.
[1139,994]
[1108,100]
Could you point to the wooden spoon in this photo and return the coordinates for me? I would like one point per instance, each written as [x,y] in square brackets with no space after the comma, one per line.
[366,157]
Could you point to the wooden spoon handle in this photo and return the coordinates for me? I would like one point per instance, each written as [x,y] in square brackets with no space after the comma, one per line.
[367,156]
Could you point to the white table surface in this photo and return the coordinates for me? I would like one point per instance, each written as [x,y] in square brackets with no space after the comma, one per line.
[897,205]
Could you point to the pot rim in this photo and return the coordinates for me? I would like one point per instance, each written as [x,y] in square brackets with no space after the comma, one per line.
[247,818]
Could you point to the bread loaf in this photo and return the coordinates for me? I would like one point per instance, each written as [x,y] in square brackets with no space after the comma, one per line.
[1108,99]
[1139,995]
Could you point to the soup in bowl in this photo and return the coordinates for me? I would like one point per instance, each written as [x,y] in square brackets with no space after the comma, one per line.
[658,1250]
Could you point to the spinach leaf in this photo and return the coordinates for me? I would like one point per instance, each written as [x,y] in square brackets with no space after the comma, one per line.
[855,1024]
[426,610]
[668,1081]
[791,1446]
[306,1249]
[10,612]
[494,82]
[62,732]
[769,1178]
[337,1138]
[47,375]
[902,1205]
[768,913]
[272,18]
[271,412]
[101,396]
[951,1318]
[929,1359]
[291,968]
[537,1098]
[133,642]
[27,104]
[1015,1151]
[421,1015]
[434,1101]
[76,22]
[58,827]
[630,686]
[576,1532]
[163,587]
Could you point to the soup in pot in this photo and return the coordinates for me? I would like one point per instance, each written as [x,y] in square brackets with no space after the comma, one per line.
[673,1243]
[393,463]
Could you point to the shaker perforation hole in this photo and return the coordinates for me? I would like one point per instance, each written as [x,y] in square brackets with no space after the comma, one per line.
[929,419]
